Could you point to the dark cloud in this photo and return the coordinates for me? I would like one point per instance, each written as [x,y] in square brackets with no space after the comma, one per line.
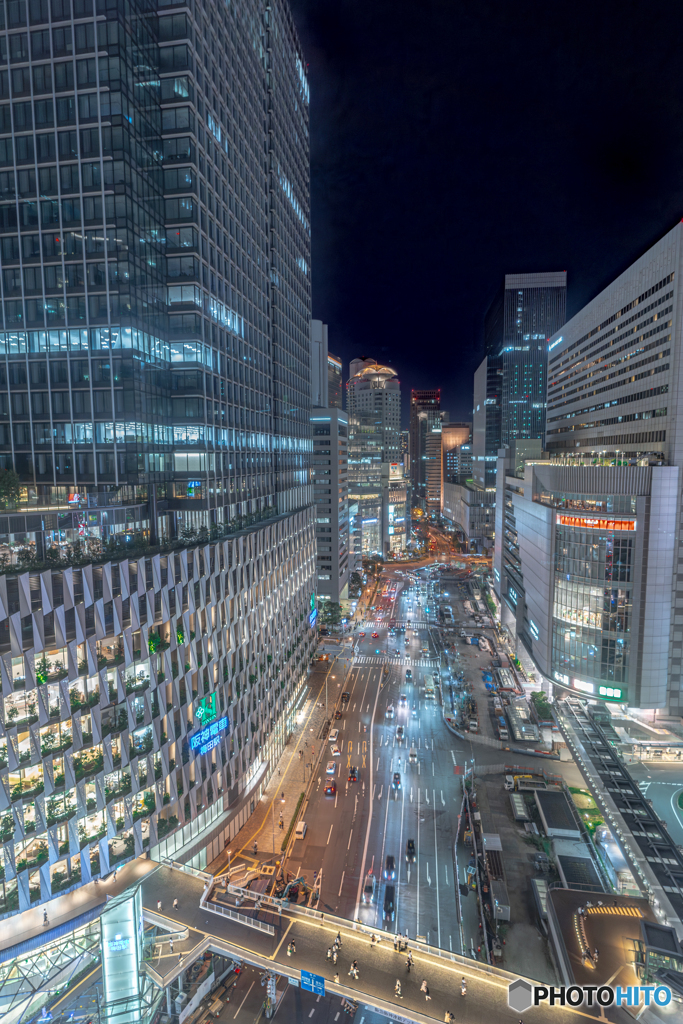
[453,142]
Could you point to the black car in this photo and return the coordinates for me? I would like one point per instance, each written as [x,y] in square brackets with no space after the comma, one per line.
[390,868]
[410,851]
[396,781]
[353,775]
[345,697]
[337,715]
[389,909]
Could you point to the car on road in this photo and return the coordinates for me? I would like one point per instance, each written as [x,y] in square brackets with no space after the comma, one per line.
[389,908]
[337,715]
[331,768]
[334,736]
[396,781]
[390,868]
[390,710]
[410,851]
[409,673]
[403,699]
[336,751]
[361,634]
[330,788]
[345,697]
[353,775]
[425,650]
[375,636]
[369,888]
[399,733]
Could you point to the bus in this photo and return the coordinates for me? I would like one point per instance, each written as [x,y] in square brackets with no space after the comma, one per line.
[430,692]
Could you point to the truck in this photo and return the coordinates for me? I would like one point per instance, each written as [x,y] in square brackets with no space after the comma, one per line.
[430,690]
[502,728]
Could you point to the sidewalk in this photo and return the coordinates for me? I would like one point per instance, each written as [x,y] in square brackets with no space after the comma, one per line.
[290,778]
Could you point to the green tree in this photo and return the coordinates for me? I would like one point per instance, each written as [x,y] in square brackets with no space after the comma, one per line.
[9,488]
[330,613]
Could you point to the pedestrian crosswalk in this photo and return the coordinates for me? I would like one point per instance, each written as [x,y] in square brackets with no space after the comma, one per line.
[364,659]
[384,624]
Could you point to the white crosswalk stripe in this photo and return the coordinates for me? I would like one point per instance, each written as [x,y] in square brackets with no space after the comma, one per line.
[364,659]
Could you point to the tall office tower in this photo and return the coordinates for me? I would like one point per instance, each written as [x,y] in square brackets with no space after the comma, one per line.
[330,429]
[158,556]
[373,403]
[486,421]
[589,543]
[528,309]
[404,449]
[319,365]
[456,452]
[335,389]
[428,401]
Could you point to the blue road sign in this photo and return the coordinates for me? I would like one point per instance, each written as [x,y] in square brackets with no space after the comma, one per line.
[313,983]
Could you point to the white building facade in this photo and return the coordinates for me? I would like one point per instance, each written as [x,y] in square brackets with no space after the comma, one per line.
[589,542]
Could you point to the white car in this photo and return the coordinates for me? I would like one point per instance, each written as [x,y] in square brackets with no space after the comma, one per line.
[331,768]
[334,736]
[336,751]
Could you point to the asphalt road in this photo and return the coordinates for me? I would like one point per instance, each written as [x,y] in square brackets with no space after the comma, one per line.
[662,784]
[354,831]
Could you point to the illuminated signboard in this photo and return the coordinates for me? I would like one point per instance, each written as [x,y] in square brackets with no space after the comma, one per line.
[312,617]
[579,684]
[208,737]
[611,692]
[205,712]
[596,524]
[558,341]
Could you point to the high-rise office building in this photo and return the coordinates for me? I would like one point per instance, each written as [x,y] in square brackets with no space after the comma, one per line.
[421,401]
[335,389]
[456,452]
[376,483]
[589,542]
[157,532]
[330,429]
[527,310]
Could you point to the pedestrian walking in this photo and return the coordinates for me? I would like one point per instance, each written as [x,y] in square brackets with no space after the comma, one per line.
[336,979]
[408,965]
[293,945]
[335,957]
[175,903]
[329,953]
[395,943]
[397,989]
[423,986]
[596,954]
[180,957]
[427,995]
[463,987]
[45,919]
[410,957]
[339,942]
[170,942]
[158,904]
[289,949]
[373,940]
[449,1018]
[114,876]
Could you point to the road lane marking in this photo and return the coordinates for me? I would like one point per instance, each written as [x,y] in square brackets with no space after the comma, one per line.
[244,1000]
[312,1012]
[330,833]
[341,883]
[445,867]
[443,802]
[432,768]
[381,789]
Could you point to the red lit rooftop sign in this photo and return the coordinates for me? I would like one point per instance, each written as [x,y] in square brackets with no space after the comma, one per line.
[596,524]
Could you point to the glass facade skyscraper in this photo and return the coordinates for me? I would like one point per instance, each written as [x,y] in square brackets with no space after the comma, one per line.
[528,309]
[156,528]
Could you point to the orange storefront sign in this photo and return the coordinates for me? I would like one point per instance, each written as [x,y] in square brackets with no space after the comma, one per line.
[596,524]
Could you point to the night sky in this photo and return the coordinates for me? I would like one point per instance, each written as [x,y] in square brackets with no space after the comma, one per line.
[453,142]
